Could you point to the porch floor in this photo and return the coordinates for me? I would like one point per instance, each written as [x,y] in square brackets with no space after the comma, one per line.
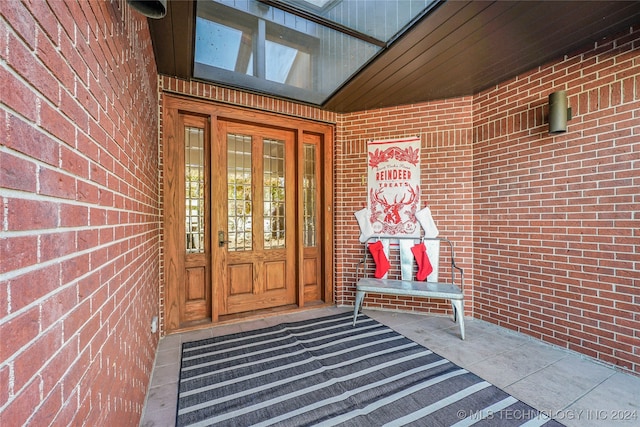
[575,390]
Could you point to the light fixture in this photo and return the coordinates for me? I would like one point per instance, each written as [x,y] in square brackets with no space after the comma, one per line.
[559,112]
[155,9]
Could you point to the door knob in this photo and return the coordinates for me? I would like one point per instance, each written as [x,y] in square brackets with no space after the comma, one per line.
[221,240]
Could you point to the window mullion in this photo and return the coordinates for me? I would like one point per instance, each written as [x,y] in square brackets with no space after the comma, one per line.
[260,48]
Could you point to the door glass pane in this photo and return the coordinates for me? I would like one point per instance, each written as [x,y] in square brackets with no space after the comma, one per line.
[274,195]
[309,185]
[239,199]
[194,189]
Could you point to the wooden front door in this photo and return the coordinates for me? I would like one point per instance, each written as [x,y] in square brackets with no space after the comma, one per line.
[254,176]
[247,212]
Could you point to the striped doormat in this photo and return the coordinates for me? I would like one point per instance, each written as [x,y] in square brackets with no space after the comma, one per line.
[325,372]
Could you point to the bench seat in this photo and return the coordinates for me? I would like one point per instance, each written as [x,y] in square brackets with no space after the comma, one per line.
[410,288]
[414,288]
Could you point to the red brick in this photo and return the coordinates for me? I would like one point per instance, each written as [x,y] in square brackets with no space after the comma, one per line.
[69,410]
[57,245]
[16,96]
[87,239]
[32,358]
[54,122]
[18,252]
[73,215]
[49,408]
[57,184]
[46,21]
[21,21]
[24,290]
[19,331]
[22,60]
[5,304]
[88,148]
[89,331]
[27,214]
[71,54]
[55,369]
[88,285]
[56,306]
[76,375]
[25,138]
[4,384]
[74,268]
[21,408]
[101,138]
[87,192]
[86,100]
[17,173]
[77,317]
[76,114]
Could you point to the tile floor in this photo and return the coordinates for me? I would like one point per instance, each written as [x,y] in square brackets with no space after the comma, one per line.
[573,389]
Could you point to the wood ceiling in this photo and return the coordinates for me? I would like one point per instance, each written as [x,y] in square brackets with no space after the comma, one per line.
[461,48]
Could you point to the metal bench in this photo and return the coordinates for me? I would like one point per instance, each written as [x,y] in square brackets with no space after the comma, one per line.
[407,285]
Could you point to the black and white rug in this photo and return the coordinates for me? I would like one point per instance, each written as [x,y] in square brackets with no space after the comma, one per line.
[325,372]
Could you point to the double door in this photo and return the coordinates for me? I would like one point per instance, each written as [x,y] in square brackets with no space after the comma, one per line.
[245,220]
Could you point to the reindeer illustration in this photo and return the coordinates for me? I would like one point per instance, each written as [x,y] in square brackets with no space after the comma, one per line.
[392,209]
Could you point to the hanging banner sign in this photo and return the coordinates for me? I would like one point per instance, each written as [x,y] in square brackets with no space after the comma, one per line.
[394,186]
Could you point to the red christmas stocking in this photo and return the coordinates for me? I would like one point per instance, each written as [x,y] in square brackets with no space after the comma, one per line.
[424,265]
[382,263]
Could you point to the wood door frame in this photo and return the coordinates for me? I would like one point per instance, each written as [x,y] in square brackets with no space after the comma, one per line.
[174,105]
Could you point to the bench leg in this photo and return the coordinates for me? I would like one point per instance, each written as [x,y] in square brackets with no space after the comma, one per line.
[458,314]
[359,299]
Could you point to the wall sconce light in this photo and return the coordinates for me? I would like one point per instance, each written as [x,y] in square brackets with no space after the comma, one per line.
[559,112]
[155,9]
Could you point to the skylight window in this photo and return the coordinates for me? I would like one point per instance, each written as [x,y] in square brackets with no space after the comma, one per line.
[279,61]
[217,45]
[297,49]
[318,3]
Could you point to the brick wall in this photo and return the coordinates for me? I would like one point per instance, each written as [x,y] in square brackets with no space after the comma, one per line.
[557,218]
[549,224]
[79,220]
[445,128]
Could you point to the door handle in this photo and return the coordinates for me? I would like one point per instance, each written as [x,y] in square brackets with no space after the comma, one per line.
[221,240]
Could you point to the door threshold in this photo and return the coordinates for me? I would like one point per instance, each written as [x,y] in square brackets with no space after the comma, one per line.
[249,315]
